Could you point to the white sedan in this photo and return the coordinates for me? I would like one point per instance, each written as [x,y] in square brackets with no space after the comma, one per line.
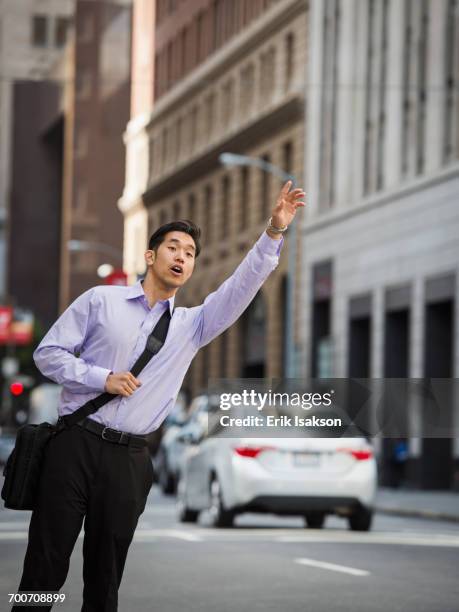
[311,477]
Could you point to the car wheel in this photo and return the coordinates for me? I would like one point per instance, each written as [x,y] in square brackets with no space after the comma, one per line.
[360,520]
[220,516]
[166,482]
[314,520]
[165,478]
[184,513]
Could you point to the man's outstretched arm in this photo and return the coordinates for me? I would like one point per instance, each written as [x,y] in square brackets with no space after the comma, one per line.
[225,305]
[55,355]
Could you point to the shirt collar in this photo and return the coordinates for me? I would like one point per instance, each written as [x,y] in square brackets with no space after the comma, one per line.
[136,291]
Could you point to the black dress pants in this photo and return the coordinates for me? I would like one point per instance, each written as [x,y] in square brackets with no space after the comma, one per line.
[105,484]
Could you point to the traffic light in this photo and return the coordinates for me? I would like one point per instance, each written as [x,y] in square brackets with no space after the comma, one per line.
[16,388]
[18,398]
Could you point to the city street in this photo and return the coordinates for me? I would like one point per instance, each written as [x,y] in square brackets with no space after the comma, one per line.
[266,563]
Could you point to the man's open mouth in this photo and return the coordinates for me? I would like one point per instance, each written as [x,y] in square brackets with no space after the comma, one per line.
[177,270]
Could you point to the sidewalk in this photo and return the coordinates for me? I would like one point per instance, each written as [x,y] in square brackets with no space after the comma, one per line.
[439,505]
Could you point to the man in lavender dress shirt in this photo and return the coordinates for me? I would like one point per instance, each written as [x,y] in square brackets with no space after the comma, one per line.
[104,483]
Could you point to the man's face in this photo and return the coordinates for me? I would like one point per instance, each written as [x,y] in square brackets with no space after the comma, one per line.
[173,262]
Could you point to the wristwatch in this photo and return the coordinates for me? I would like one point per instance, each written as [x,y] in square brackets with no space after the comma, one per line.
[276,230]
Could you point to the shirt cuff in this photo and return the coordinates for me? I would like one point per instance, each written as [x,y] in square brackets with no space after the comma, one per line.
[270,246]
[97,377]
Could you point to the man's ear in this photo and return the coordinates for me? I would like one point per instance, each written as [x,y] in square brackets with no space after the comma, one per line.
[150,257]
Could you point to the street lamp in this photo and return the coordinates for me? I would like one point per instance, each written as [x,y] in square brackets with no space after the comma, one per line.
[101,247]
[233,159]
[105,270]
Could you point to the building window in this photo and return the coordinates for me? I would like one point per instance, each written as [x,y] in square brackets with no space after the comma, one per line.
[164,145]
[208,212]
[39,31]
[151,158]
[375,92]
[210,115]
[200,47]
[162,217]
[170,67]
[81,143]
[227,103]
[331,38]
[81,200]
[60,31]
[287,157]
[230,19]
[247,88]
[422,91]
[86,29]
[194,131]
[267,75]
[178,134]
[83,85]
[183,52]
[192,207]
[173,143]
[158,70]
[414,86]
[265,193]
[226,205]
[218,23]
[176,211]
[381,135]
[245,197]
[451,109]
[289,60]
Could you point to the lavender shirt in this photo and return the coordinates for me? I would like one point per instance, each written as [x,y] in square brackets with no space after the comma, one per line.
[109,326]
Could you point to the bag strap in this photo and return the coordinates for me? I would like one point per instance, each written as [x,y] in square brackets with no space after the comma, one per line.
[154,343]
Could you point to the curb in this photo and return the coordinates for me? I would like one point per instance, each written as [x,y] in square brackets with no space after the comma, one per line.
[425,514]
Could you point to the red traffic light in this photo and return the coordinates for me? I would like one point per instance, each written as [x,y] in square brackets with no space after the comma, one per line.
[16,388]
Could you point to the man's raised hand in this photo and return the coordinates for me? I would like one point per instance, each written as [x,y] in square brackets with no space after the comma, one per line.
[286,205]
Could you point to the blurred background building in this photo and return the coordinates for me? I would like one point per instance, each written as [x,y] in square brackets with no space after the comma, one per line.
[65,104]
[96,115]
[381,248]
[32,36]
[223,76]
[67,166]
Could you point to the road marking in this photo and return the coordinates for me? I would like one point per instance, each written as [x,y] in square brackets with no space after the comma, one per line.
[396,539]
[141,534]
[332,567]
[14,535]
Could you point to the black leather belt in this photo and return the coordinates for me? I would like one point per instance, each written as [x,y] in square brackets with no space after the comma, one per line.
[113,435]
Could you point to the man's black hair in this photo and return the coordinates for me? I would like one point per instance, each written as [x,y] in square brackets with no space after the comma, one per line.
[176,226]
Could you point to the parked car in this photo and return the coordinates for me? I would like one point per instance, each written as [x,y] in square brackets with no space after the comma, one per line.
[311,477]
[44,403]
[176,438]
[7,442]
[170,429]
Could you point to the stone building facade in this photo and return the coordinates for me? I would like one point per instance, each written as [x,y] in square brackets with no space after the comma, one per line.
[381,248]
[227,76]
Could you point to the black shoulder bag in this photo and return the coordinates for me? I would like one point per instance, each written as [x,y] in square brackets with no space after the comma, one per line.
[23,468]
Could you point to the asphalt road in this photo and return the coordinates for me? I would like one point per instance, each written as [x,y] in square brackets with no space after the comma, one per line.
[265,563]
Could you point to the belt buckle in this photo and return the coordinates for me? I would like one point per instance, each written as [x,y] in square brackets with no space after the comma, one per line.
[103,434]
